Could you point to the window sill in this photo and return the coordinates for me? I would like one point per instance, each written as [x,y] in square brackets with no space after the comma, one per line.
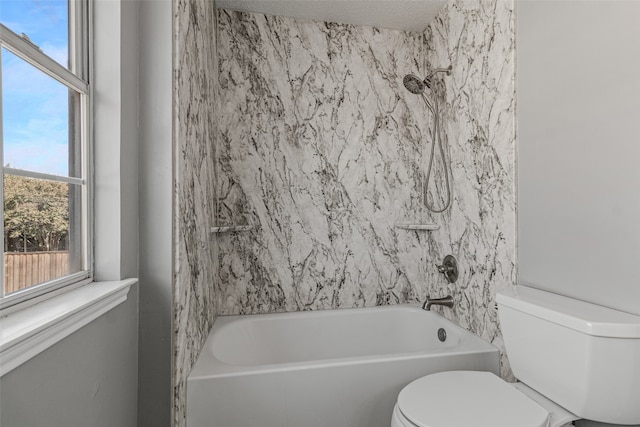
[26,333]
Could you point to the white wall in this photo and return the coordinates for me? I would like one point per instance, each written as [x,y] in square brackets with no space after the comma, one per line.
[87,379]
[578,110]
[116,138]
[155,205]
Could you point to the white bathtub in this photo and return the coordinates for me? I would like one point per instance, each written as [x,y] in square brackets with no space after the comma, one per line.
[335,368]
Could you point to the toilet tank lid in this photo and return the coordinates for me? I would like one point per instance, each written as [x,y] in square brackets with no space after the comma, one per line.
[579,315]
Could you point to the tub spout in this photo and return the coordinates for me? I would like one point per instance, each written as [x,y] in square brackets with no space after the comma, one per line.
[446,301]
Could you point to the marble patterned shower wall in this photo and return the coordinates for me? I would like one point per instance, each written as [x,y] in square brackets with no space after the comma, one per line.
[319,150]
[323,152]
[195,95]
[478,39]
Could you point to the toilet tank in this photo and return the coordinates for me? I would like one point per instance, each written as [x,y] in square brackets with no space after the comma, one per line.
[582,356]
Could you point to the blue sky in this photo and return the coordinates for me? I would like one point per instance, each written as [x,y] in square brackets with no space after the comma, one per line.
[35,106]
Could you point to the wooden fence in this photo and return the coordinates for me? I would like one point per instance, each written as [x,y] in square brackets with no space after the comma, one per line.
[24,269]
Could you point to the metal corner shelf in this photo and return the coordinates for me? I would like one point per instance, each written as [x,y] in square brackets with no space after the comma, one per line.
[418,227]
[231,228]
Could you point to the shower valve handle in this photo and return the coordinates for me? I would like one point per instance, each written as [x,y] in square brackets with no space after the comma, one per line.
[445,269]
[449,268]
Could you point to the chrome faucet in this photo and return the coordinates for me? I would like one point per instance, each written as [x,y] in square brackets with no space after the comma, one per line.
[446,301]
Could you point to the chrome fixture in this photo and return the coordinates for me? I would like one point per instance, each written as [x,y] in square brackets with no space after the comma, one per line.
[446,301]
[416,86]
[449,268]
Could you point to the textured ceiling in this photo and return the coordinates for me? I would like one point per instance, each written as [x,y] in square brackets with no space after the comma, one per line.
[407,15]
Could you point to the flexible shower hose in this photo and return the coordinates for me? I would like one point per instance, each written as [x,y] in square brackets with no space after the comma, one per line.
[436,141]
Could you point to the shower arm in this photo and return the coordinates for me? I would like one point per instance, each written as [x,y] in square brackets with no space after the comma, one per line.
[440,70]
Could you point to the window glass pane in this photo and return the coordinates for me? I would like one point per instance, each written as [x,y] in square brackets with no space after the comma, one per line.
[36,126]
[45,22]
[41,231]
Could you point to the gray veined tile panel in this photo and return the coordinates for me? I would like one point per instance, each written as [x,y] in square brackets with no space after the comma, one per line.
[407,15]
[318,150]
[195,97]
[323,151]
[478,39]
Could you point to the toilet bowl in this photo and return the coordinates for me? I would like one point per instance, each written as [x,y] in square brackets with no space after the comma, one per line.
[569,356]
[478,399]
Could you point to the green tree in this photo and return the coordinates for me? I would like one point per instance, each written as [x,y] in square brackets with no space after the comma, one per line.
[36,213]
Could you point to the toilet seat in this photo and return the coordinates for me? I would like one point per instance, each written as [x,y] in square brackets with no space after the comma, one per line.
[468,399]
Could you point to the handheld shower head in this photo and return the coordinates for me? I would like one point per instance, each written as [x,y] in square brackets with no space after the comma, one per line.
[414,84]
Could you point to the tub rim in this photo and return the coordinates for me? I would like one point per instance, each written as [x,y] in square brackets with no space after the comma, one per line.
[208,366]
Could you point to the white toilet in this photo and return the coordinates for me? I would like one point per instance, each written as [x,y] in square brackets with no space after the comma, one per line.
[575,360]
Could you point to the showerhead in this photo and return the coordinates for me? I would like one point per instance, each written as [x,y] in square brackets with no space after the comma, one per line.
[414,84]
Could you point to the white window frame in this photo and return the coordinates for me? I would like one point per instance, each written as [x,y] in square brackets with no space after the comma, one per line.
[78,79]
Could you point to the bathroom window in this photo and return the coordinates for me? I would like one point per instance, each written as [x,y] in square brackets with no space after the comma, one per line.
[44,134]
